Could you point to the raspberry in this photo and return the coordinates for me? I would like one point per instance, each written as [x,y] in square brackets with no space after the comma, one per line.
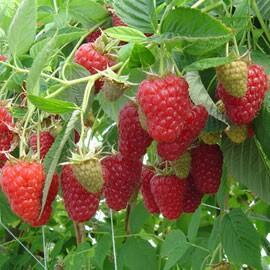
[210,137]
[3,160]
[182,165]
[117,21]
[90,58]
[192,197]
[233,77]
[80,204]
[45,140]
[165,103]
[92,37]
[133,139]
[3,58]
[149,201]
[89,174]
[237,134]
[93,60]
[206,168]
[168,192]
[76,136]
[23,182]
[113,90]
[243,110]
[195,123]
[122,177]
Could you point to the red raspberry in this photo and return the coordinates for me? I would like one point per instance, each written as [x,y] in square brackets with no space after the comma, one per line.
[195,123]
[148,198]
[206,168]
[166,104]
[3,160]
[92,37]
[45,140]
[80,204]
[23,182]
[76,136]
[3,58]
[117,21]
[192,198]
[133,139]
[90,58]
[243,110]
[168,192]
[122,177]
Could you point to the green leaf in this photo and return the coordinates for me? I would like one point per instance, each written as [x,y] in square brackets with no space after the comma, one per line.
[125,33]
[22,30]
[61,40]
[194,225]
[138,217]
[240,239]
[141,57]
[137,14]
[52,105]
[87,12]
[215,236]
[102,250]
[198,32]
[247,164]
[174,247]
[54,154]
[208,63]
[137,253]
[264,7]
[262,126]
[213,125]
[261,59]
[199,95]
[32,82]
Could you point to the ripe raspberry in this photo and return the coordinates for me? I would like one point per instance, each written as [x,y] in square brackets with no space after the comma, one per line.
[237,134]
[23,182]
[89,174]
[45,140]
[3,160]
[76,136]
[93,60]
[210,137]
[3,58]
[195,123]
[80,204]
[243,110]
[166,104]
[149,201]
[206,168]
[117,21]
[233,77]
[192,198]
[92,37]
[182,165]
[133,140]
[168,192]
[113,90]
[122,177]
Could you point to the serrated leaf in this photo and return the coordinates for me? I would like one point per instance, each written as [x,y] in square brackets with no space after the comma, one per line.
[198,32]
[208,63]
[194,225]
[247,164]
[137,14]
[125,33]
[22,30]
[174,247]
[264,7]
[215,236]
[54,154]
[102,250]
[52,105]
[240,239]
[87,12]
[199,95]
[262,126]
[32,82]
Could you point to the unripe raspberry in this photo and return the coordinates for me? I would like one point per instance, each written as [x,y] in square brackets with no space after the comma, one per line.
[237,134]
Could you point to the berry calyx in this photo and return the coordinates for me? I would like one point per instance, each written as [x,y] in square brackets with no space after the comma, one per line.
[237,134]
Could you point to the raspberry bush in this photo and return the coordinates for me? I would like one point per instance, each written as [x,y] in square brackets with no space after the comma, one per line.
[134,134]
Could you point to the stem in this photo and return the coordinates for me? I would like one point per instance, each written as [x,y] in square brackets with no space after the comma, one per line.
[44,248]
[216,251]
[260,18]
[198,3]
[211,7]
[79,232]
[113,241]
